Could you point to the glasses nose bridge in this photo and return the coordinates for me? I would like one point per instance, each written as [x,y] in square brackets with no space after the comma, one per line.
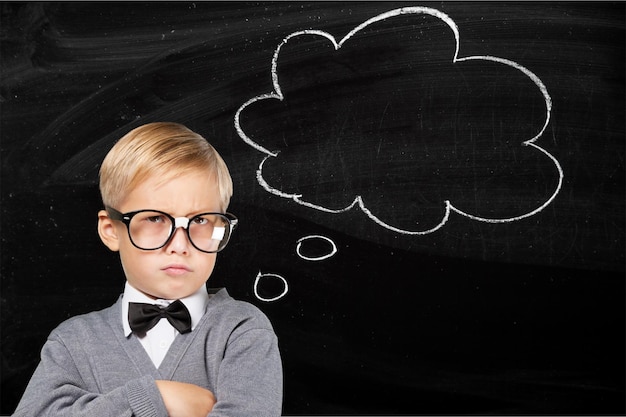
[181,222]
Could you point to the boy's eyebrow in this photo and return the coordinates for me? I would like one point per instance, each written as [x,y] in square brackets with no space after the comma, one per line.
[195,213]
[189,215]
[202,212]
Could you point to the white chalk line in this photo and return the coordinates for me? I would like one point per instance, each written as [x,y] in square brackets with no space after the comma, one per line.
[358,201]
[316,258]
[256,286]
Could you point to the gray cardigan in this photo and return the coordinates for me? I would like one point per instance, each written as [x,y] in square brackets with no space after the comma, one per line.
[89,368]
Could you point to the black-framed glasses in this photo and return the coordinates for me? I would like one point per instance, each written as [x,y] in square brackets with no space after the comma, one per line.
[153,229]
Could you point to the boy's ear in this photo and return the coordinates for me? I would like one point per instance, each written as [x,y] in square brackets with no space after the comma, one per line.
[108,231]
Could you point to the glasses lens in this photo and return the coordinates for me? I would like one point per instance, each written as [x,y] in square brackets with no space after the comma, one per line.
[150,229]
[209,232]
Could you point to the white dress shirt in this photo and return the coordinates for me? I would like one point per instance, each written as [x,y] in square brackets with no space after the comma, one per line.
[158,340]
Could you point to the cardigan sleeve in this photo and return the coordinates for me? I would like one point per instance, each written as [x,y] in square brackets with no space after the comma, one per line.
[250,379]
[57,389]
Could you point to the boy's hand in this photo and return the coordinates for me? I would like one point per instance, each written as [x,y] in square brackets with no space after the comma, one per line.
[185,400]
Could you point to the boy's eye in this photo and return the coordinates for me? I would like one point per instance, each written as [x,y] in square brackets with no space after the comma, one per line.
[156,219]
[200,221]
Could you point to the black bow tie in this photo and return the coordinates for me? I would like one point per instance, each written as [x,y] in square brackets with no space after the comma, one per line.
[142,317]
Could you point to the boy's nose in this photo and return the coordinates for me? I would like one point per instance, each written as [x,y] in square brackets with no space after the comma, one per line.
[179,243]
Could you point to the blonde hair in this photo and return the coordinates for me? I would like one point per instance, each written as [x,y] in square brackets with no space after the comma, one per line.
[162,149]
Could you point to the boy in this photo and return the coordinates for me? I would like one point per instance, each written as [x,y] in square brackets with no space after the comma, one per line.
[165,190]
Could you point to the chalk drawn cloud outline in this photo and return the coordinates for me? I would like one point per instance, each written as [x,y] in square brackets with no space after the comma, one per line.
[277,94]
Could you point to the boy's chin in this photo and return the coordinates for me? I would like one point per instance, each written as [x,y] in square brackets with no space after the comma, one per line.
[174,294]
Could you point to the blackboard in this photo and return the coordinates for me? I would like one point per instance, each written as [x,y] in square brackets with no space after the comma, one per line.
[431,196]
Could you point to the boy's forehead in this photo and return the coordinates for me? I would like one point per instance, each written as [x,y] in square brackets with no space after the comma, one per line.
[195,189]
[163,176]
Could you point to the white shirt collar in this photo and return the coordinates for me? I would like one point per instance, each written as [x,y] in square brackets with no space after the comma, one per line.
[196,303]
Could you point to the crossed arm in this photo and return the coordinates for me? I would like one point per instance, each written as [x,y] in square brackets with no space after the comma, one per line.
[59,388]
[247,385]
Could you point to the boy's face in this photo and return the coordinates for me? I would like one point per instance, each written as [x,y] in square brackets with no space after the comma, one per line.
[178,269]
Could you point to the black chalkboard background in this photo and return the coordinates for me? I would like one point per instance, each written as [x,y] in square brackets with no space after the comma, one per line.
[523,316]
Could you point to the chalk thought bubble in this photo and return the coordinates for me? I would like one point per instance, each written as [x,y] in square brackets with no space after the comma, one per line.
[270,276]
[326,253]
[270,287]
[392,120]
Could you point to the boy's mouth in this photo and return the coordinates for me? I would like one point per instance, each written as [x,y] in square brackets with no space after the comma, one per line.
[176,269]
